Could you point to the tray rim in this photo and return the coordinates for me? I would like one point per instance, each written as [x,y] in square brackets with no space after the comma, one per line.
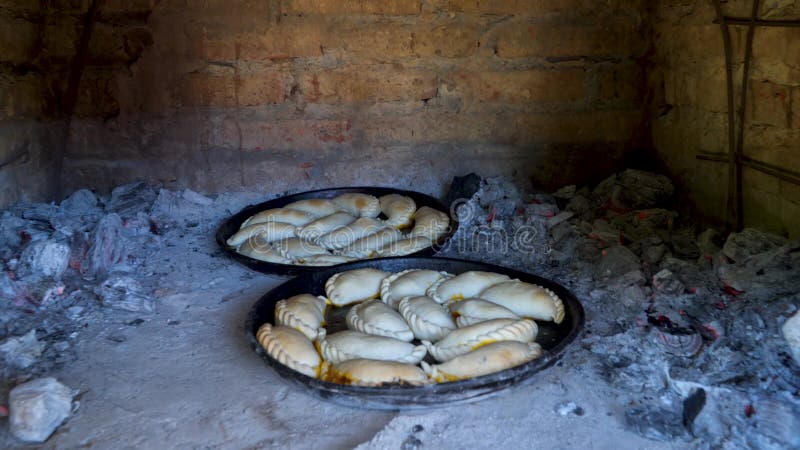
[396,397]
[237,218]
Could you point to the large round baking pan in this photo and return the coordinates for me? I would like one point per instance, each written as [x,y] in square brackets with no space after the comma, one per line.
[232,225]
[553,338]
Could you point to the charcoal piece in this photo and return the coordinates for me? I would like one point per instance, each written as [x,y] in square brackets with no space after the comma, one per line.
[692,406]
[616,261]
[565,193]
[130,199]
[37,408]
[10,233]
[39,212]
[80,202]
[655,423]
[683,245]
[558,219]
[749,242]
[195,197]
[580,205]
[107,246]
[462,188]
[709,242]
[499,195]
[21,351]
[45,258]
[665,282]
[637,189]
[125,293]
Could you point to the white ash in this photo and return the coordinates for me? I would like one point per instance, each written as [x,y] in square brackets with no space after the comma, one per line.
[37,408]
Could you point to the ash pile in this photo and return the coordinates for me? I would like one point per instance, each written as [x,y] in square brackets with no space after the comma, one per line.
[69,267]
[696,330]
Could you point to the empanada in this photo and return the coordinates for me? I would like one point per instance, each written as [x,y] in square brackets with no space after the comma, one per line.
[318,207]
[398,209]
[285,215]
[325,225]
[463,340]
[526,300]
[405,246]
[359,205]
[348,344]
[325,260]
[264,232]
[371,372]
[466,285]
[344,236]
[354,286]
[378,318]
[367,247]
[262,252]
[473,310]
[488,359]
[428,320]
[297,249]
[290,348]
[430,223]
[305,313]
[408,283]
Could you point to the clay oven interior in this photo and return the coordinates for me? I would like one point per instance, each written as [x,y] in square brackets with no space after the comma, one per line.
[274,96]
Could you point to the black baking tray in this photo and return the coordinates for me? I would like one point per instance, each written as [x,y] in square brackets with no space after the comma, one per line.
[553,338]
[232,225]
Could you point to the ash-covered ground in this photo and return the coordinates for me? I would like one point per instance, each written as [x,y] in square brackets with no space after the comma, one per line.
[127,300]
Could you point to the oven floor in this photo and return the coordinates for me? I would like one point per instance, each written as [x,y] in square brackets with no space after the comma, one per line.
[186,378]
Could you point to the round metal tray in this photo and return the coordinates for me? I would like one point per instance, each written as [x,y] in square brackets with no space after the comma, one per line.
[553,338]
[232,225]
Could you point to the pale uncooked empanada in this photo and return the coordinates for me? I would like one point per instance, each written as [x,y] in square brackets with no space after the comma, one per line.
[305,313]
[354,286]
[430,223]
[473,310]
[348,344]
[488,359]
[325,225]
[326,260]
[285,215]
[262,252]
[318,207]
[463,340]
[264,232]
[428,320]
[466,285]
[297,249]
[344,236]
[408,283]
[359,205]
[367,247]
[405,246]
[378,318]
[371,372]
[398,209]
[526,300]
[290,348]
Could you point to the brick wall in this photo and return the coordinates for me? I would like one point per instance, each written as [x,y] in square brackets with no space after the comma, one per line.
[691,104]
[292,94]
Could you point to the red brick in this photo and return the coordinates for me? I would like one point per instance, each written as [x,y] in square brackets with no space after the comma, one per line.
[290,39]
[206,90]
[269,87]
[796,108]
[389,7]
[367,84]
[21,97]
[521,86]
[386,40]
[523,39]
[770,103]
[98,95]
[431,128]
[292,134]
